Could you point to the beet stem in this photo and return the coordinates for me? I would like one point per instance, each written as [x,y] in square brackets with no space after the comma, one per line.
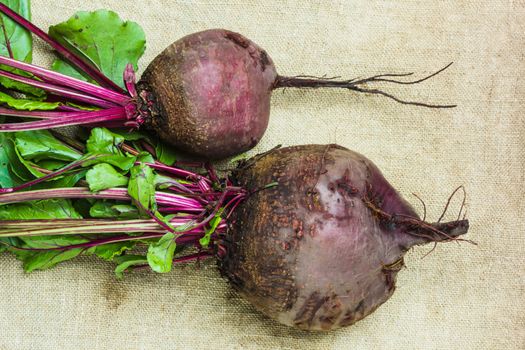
[58,90]
[162,198]
[64,80]
[102,116]
[34,114]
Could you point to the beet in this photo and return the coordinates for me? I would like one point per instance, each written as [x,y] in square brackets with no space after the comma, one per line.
[207,94]
[212,91]
[322,249]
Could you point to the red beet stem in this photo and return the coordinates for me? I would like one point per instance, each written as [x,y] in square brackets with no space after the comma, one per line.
[115,114]
[67,81]
[58,90]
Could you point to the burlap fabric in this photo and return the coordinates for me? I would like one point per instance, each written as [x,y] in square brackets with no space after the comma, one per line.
[460,296]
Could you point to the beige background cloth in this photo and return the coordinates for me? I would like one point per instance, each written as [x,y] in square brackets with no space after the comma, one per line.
[460,296]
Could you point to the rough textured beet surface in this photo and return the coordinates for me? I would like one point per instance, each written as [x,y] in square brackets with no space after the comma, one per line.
[321,250]
[209,93]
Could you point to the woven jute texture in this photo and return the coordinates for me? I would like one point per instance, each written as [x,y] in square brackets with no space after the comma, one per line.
[461,296]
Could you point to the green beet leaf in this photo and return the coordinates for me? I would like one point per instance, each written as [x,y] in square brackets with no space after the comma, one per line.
[43,209]
[110,251]
[108,210]
[103,141]
[160,254]
[20,40]
[165,154]
[141,186]
[42,260]
[29,105]
[12,171]
[103,39]
[126,261]
[212,226]
[64,67]
[55,241]
[40,144]
[145,157]
[7,242]
[103,176]
[51,164]
[16,42]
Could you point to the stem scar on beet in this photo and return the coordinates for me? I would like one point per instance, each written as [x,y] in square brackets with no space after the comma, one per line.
[207,94]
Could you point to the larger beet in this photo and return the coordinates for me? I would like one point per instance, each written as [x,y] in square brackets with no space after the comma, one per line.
[322,249]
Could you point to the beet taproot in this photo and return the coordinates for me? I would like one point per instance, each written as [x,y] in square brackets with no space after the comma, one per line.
[322,249]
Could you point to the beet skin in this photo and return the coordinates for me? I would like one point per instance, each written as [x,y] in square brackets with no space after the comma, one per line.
[321,249]
[209,93]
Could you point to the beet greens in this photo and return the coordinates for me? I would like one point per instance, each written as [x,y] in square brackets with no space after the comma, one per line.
[106,196]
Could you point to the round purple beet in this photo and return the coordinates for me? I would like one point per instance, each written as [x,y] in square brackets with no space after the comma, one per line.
[210,93]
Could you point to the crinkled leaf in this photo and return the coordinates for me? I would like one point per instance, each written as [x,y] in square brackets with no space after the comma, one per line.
[103,141]
[43,209]
[103,176]
[103,39]
[42,260]
[110,251]
[141,186]
[29,105]
[126,261]
[160,254]
[40,144]
[105,209]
